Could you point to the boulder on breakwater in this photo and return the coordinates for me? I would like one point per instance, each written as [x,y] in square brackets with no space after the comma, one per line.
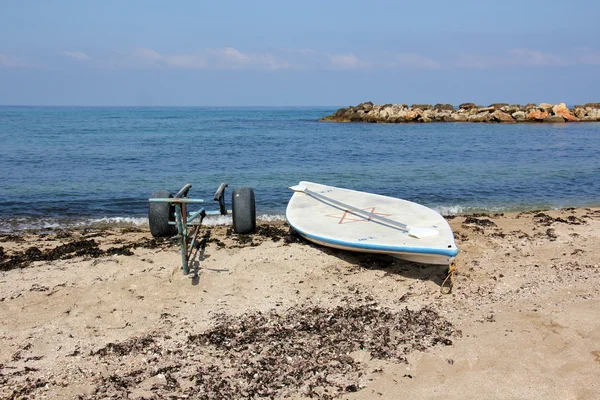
[466,112]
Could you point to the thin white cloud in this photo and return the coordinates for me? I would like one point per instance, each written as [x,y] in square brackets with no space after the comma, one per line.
[528,57]
[147,55]
[319,60]
[346,61]
[588,56]
[230,54]
[8,60]
[304,51]
[187,61]
[416,61]
[76,55]
[306,59]
[228,57]
[512,58]
[475,61]
[219,58]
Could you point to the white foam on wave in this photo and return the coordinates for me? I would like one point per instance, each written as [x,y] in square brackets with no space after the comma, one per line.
[271,217]
[12,225]
[137,221]
[215,220]
[449,210]
[463,209]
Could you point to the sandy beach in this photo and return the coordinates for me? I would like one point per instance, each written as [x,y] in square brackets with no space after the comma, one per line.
[105,312]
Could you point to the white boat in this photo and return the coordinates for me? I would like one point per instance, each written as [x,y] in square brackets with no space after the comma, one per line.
[365,222]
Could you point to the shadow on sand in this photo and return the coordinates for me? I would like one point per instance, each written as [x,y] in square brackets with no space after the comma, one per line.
[389,264]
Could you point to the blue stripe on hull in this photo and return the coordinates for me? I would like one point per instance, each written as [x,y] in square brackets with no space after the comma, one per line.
[380,248]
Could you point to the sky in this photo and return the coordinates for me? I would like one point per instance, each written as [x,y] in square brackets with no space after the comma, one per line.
[298,53]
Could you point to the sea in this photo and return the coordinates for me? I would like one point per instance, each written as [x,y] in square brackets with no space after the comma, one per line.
[78,166]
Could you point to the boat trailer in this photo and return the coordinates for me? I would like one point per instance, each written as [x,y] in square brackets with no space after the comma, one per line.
[168,216]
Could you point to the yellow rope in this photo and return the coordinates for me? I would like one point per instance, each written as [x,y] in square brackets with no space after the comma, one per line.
[447,289]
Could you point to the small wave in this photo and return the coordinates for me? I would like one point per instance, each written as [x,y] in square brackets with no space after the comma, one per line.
[11,225]
[449,210]
[271,217]
[215,220]
[461,209]
[137,221]
[14,225]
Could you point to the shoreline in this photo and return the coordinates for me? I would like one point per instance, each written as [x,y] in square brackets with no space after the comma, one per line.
[467,112]
[39,225]
[104,313]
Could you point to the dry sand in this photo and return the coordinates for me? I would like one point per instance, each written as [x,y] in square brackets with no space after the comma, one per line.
[107,313]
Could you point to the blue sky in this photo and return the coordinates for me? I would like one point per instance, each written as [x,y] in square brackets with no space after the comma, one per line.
[298,53]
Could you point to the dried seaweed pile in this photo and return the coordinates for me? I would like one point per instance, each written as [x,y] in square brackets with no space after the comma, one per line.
[306,351]
[87,247]
[74,248]
[547,220]
[263,233]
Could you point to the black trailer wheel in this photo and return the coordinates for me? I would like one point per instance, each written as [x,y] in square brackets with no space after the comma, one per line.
[243,210]
[159,215]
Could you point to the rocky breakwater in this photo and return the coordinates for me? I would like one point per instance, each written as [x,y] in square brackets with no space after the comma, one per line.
[466,112]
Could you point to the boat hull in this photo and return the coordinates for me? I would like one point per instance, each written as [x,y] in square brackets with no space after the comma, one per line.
[334,226]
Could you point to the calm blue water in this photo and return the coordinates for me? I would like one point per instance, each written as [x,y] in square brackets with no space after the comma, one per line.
[62,165]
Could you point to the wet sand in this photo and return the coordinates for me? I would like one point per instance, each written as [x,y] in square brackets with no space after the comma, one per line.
[106,312]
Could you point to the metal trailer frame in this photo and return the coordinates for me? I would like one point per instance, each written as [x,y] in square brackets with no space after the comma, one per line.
[189,223]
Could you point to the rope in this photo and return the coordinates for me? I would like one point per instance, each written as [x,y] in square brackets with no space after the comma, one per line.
[448,283]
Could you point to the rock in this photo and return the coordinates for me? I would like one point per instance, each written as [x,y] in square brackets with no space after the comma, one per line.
[503,117]
[480,117]
[373,116]
[336,118]
[536,115]
[511,109]
[530,106]
[546,107]
[486,109]
[467,106]
[400,108]
[554,119]
[592,105]
[594,113]
[580,112]
[341,111]
[355,116]
[444,107]
[562,110]
[385,112]
[427,116]
[396,113]
[440,116]
[519,115]
[399,116]
[460,118]
[366,106]
[412,115]
[421,106]
[498,106]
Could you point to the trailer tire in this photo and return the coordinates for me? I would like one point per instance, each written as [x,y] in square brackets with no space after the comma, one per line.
[243,210]
[159,215]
